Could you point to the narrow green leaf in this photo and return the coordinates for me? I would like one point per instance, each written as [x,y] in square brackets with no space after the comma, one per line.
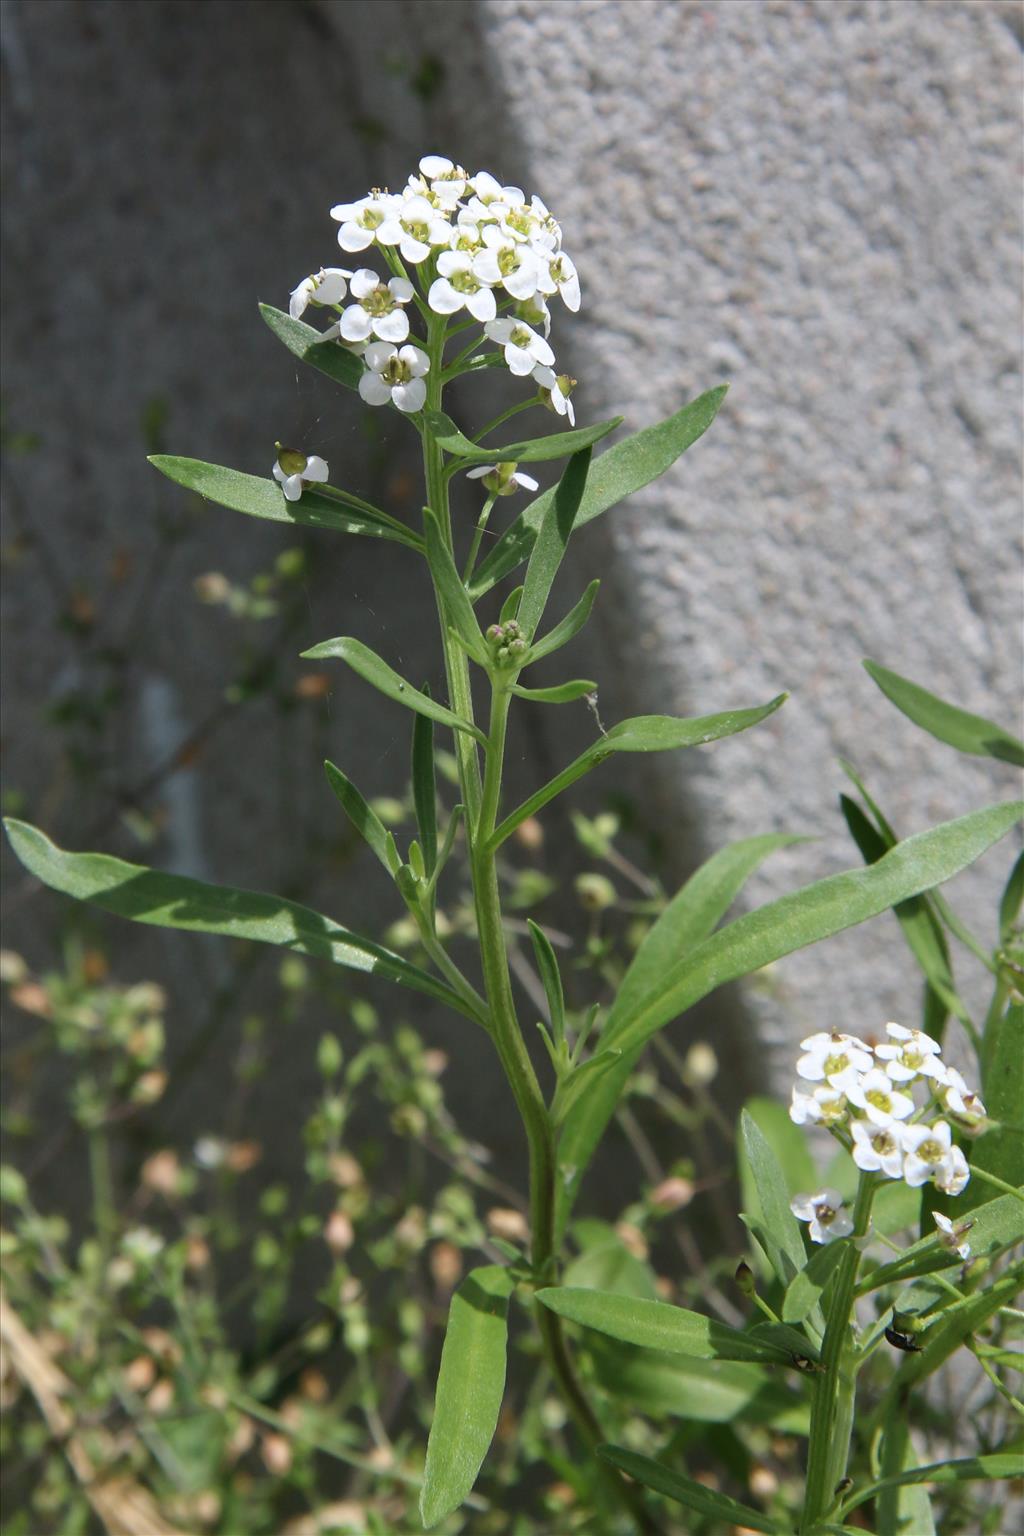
[330,357]
[263,497]
[997,1227]
[457,604]
[551,979]
[786,1245]
[615,475]
[559,693]
[174,901]
[805,1289]
[365,820]
[557,445]
[645,733]
[958,1321]
[793,922]
[902,1506]
[579,1081]
[567,629]
[372,669]
[695,911]
[552,539]
[1012,899]
[470,1387]
[510,607]
[424,786]
[1000,1151]
[921,928]
[946,722]
[705,1391]
[970,1469]
[656,1325]
[789,1146]
[684,1490]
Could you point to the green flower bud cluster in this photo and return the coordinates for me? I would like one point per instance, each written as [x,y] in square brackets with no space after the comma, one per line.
[508,643]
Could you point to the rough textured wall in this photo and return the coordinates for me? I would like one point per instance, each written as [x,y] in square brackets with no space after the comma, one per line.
[819,202]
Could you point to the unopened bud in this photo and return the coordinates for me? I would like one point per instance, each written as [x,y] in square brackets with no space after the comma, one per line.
[596,892]
[744,1278]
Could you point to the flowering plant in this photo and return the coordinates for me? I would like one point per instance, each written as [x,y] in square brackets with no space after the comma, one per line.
[465,255]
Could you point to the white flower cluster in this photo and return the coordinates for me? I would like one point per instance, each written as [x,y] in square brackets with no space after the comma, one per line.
[865,1095]
[478,246]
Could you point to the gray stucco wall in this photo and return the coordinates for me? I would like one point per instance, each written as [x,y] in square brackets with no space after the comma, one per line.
[819,202]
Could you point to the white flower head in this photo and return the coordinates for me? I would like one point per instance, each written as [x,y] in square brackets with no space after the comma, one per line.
[913,1055]
[834,1058]
[446,181]
[377,311]
[963,1104]
[878,1148]
[826,1213]
[293,470]
[328,286]
[822,1106]
[524,349]
[361,220]
[458,287]
[502,479]
[394,376]
[415,226]
[880,1100]
[952,1234]
[557,392]
[930,1154]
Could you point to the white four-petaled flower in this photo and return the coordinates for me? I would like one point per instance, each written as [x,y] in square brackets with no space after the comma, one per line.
[833,1058]
[502,479]
[930,1154]
[878,1148]
[458,287]
[914,1054]
[394,375]
[826,1213]
[524,349]
[292,470]
[952,1234]
[328,286]
[378,310]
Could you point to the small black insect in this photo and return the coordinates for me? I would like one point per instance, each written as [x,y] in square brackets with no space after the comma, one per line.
[904,1341]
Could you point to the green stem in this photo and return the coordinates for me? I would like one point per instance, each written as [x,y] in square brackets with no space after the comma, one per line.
[481,800]
[513,410]
[104,1212]
[835,1386]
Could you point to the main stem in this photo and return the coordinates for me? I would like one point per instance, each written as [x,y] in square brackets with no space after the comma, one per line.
[835,1387]
[481,799]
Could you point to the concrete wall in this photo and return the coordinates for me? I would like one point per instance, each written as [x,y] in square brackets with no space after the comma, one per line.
[817,201]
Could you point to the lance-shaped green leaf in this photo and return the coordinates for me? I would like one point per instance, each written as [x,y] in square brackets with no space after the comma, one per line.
[365,820]
[552,539]
[781,1230]
[470,1387]
[921,928]
[424,787]
[372,669]
[615,475]
[557,445]
[997,1226]
[457,604]
[510,607]
[558,693]
[684,1490]
[696,910]
[329,357]
[174,901]
[644,733]
[1011,901]
[792,922]
[551,978]
[564,631]
[946,722]
[264,498]
[969,1469]
[656,1325]
[805,1289]
[1000,1151]
[578,1082]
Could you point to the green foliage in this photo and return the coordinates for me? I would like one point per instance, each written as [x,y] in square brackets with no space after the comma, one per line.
[470,1386]
[556,445]
[372,669]
[966,732]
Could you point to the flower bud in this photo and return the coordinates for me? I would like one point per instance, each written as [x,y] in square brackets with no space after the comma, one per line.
[744,1278]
